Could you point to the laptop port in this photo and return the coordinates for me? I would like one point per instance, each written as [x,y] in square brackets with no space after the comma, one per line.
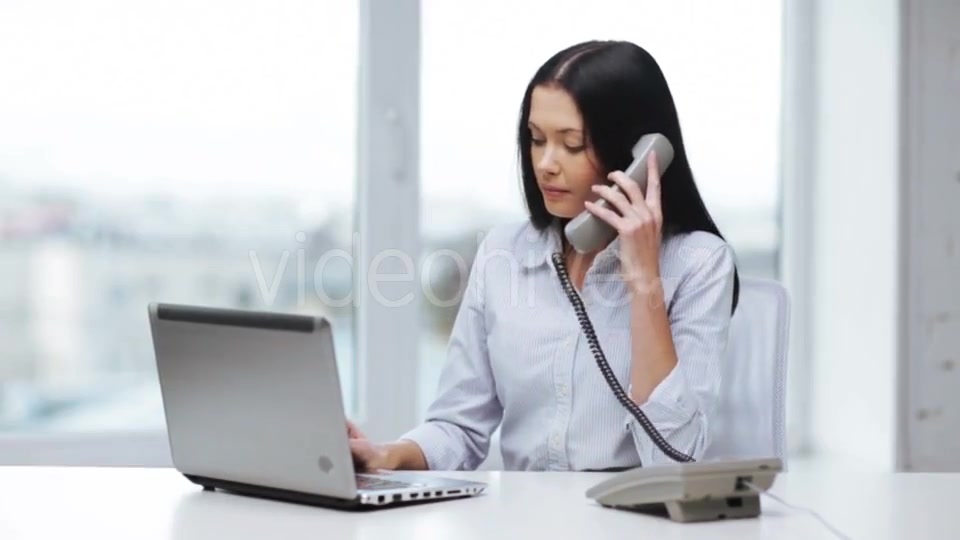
[414,495]
[382,499]
[437,493]
[453,492]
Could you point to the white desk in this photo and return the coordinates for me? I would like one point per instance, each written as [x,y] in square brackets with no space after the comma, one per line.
[107,504]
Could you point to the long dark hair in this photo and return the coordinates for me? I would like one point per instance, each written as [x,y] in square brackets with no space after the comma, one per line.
[622,94]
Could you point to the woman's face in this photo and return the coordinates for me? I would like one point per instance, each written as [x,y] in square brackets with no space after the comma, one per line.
[564,163]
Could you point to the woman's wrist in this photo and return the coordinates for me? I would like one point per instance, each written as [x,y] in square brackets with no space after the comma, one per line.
[402,455]
[645,286]
[381,458]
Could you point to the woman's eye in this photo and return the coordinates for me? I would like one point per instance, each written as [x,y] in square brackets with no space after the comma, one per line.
[538,142]
[574,149]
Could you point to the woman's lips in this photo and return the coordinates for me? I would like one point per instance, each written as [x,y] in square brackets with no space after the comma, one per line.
[554,193]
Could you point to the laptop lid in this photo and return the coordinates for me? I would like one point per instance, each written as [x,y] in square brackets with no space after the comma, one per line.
[253,397]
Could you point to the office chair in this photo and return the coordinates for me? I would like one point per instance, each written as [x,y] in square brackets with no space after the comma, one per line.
[751,417]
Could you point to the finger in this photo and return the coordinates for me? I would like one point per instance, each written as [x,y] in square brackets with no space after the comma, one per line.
[653,186]
[360,451]
[355,449]
[616,199]
[628,185]
[353,431]
[607,215]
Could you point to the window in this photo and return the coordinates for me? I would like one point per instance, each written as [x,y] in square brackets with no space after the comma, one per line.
[164,151]
[722,61]
[197,152]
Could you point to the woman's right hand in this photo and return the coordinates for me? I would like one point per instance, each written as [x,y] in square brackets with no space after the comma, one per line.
[367,456]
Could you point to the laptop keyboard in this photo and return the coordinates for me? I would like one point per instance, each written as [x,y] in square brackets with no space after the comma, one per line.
[376,483]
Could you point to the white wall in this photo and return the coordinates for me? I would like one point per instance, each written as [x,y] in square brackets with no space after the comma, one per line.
[855,226]
[930,377]
[884,305]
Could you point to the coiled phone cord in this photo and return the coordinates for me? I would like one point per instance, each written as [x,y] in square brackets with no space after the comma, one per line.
[601,359]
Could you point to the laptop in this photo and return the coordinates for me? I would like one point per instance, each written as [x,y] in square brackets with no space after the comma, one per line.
[253,406]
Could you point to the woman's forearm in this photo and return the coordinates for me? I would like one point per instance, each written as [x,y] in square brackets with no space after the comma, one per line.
[652,349]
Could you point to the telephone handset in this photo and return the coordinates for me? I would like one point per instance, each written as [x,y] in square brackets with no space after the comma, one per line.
[587,232]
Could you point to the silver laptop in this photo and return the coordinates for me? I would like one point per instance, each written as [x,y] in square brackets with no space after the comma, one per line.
[253,406]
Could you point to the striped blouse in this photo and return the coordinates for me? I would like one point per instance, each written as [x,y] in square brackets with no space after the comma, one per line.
[517,359]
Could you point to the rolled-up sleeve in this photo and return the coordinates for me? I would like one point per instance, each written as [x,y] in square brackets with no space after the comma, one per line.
[460,421]
[682,405]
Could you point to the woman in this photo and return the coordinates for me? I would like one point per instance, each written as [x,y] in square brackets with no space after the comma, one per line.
[660,295]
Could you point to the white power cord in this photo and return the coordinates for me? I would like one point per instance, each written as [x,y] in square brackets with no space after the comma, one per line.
[836,532]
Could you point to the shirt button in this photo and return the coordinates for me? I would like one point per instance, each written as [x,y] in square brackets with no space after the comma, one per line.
[563,390]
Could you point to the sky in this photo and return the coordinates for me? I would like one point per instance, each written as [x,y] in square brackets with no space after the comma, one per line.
[195,99]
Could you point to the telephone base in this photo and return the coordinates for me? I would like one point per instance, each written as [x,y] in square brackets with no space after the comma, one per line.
[741,506]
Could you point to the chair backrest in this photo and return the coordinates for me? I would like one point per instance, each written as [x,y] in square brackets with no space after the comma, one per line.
[750,421]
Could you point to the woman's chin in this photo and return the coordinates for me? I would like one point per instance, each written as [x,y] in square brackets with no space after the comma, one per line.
[564,210]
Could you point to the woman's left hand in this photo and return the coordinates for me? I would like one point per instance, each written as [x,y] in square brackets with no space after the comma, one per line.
[639,224]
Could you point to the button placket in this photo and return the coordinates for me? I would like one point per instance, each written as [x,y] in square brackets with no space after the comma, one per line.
[561,384]
[565,390]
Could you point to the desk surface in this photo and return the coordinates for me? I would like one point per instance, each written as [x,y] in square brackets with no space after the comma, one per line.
[111,504]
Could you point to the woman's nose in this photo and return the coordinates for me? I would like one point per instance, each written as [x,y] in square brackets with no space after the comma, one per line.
[547,164]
